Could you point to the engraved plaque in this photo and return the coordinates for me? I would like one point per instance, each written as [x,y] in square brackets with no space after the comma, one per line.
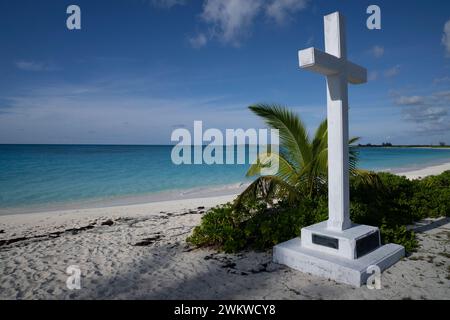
[367,244]
[325,241]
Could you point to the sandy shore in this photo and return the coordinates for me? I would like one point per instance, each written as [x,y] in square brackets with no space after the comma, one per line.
[139,252]
[428,171]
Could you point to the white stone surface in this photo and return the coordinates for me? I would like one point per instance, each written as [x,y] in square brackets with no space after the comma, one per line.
[352,272]
[334,65]
[347,238]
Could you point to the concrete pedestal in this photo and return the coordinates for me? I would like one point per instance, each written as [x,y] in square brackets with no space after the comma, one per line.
[342,256]
[350,243]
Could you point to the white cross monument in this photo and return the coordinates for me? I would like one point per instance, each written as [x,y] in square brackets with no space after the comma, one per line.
[337,248]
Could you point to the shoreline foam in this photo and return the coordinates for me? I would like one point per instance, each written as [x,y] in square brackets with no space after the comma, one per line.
[161,197]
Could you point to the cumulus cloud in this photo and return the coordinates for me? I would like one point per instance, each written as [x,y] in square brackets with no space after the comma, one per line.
[282,10]
[231,21]
[377,51]
[446,38]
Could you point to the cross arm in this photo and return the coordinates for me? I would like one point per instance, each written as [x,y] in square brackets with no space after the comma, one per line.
[356,74]
[321,62]
[315,60]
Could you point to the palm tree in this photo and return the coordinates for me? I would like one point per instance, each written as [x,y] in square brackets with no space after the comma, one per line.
[303,162]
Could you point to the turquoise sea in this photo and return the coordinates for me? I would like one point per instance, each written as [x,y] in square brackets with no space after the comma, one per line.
[46,175]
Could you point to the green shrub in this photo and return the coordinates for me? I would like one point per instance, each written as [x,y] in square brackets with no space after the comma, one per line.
[392,205]
[282,223]
[399,235]
[431,197]
[389,203]
[218,228]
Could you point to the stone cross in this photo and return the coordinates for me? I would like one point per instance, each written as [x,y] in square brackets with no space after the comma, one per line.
[336,249]
[334,65]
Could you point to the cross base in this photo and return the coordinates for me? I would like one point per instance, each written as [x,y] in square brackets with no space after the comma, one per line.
[342,256]
[350,243]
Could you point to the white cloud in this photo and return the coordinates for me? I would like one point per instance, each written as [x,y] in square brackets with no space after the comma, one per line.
[281,10]
[429,113]
[34,66]
[446,38]
[422,115]
[110,111]
[230,19]
[392,72]
[377,51]
[198,41]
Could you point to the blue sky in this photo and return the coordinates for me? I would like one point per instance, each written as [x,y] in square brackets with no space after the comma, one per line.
[138,69]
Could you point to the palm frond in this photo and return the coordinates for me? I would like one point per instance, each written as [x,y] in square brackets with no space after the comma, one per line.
[292,131]
[286,170]
[368,177]
[353,140]
[353,155]
[303,164]
[321,134]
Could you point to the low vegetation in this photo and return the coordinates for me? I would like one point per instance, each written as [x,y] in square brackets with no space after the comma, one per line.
[393,205]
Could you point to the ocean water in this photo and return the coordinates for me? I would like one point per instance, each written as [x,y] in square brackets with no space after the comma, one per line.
[46,175]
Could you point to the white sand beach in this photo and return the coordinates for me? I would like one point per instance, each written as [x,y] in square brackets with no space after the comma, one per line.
[428,171]
[139,252]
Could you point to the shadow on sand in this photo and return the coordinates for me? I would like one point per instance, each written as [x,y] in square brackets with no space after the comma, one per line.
[427,224]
